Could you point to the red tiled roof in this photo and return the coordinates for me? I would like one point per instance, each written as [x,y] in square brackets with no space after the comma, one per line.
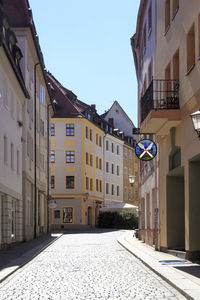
[64,107]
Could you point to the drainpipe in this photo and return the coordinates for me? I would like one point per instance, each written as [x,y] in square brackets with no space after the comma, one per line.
[48,196]
[35,154]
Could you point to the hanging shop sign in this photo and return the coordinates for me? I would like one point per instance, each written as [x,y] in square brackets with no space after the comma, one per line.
[146,150]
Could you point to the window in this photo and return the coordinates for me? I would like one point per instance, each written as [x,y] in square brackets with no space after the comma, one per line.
[52,129]
[70,156]
[12,156]
[69,129]
[125,173]
[107,167]
[175,8]
[199,35]
[100,186]
[97,185]
[53,181]
[176,66]
[69,182]
[112,168]
[130,155]
[100,141]
[18,161]
[87,158]
[56,214]
[91,160]
[167,15]
[112,148]
[41,127]
[117,149]
[42,94]
[190,49]
[86,132]
[118,170]
[111,130]
[117,190]
[97,162]
[87,183]
[90,134]
[126,193]
[144,39]
[5,150]
[107,188]
[100,163]
[107,148]
[91,184]
[89,117]
[52,156]
[150,72]
[67,215]
[112,189]
[125,154]
[5,94]
[149,19]
[97,139]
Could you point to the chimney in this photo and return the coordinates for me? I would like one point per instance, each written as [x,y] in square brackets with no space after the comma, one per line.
[93,107]
[111,121]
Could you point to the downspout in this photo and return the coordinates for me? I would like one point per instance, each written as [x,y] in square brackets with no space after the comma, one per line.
[48,196]
[35,154]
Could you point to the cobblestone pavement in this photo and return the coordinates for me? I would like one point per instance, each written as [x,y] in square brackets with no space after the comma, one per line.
[89,265]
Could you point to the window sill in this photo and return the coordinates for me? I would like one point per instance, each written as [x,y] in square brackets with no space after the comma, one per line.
[175,13]
[190,69]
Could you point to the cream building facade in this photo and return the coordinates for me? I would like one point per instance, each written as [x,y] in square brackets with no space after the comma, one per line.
[34,118]
[12,98]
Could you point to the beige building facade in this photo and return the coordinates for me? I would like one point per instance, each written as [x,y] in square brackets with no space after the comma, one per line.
[130,192]
[177,36]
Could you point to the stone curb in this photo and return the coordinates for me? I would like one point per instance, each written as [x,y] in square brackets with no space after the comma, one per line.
[122,242]
[29,259]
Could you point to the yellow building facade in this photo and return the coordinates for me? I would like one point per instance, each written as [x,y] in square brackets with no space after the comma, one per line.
[76,171]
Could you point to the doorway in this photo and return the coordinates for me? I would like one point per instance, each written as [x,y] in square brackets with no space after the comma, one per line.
[175,193]
[89,215]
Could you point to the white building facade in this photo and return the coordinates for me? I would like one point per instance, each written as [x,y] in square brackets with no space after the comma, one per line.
[113,169]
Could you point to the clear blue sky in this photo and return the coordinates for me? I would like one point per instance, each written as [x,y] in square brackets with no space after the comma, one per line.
[86,46]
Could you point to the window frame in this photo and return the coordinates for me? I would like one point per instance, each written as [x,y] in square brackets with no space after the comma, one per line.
[70,130]
[70,177]
[53,152]
[62,215]
[71,156]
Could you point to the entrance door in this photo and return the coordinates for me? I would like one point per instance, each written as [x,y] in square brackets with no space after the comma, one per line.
[89,215]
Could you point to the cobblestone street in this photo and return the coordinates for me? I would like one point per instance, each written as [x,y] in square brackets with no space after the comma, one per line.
[89,265]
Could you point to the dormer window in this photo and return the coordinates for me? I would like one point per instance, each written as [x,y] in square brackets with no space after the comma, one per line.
[89,117]
[111,131]
[106,128]
[102,125]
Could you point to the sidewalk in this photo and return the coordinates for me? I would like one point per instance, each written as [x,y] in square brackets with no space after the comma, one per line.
[18,255]
[184,276]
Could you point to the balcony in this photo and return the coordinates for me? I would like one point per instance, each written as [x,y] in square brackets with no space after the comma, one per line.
[160,107]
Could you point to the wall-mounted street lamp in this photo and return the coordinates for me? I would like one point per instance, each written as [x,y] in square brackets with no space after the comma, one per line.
[131,179]
[196,121]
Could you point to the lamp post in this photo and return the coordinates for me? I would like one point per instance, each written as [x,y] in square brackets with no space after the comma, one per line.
[131,179]
[195,117]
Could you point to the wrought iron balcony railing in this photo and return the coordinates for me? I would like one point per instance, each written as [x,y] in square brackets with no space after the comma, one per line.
[161,94]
